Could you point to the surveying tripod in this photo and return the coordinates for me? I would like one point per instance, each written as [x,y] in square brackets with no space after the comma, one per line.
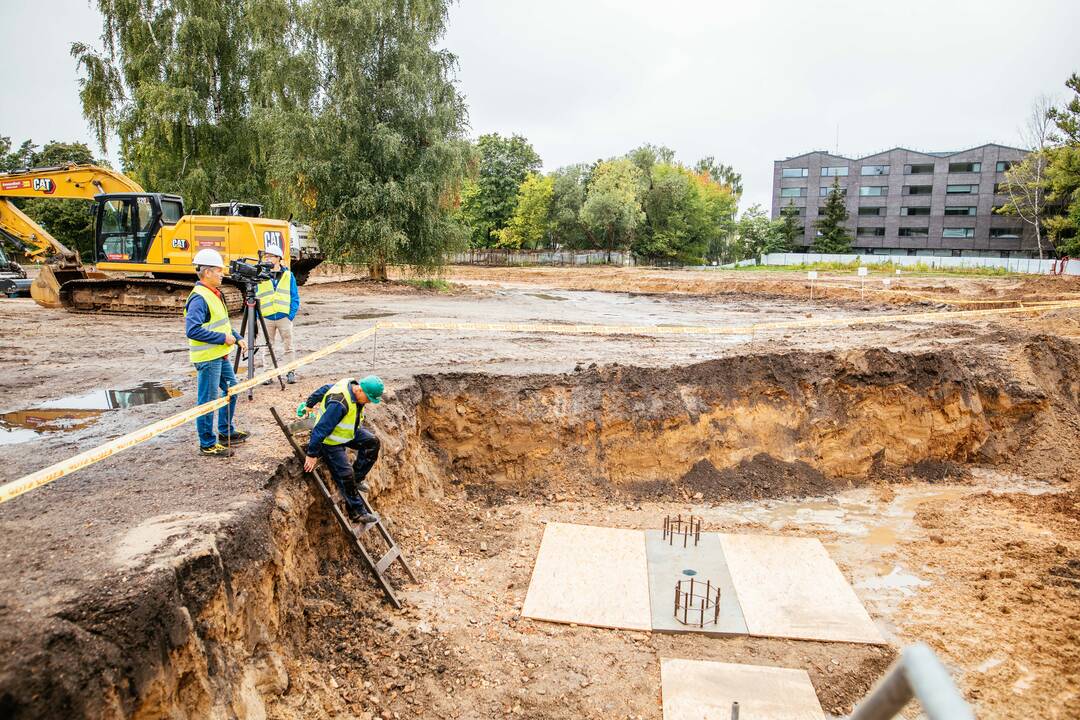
[250,332]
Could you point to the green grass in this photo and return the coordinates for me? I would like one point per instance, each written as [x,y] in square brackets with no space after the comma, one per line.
[920,268]
[432,284]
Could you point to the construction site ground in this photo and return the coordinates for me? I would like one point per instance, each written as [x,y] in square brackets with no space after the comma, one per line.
[935,460]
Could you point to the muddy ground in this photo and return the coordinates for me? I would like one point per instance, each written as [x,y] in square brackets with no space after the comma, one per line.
[934,460]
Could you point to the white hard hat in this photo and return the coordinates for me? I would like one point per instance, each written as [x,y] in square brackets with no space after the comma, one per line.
[274,248]
[209,258]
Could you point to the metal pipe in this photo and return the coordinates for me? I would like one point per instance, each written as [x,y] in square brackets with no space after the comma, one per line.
[917,674]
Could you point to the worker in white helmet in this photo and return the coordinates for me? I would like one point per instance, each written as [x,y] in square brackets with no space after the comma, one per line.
[210,336]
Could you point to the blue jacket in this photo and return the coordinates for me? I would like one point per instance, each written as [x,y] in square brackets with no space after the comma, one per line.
[335,410]
[294,297]
[197,314]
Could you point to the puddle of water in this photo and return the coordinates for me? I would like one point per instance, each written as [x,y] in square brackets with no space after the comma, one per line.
[78,411]
[545,296]
[367,315]
[897,580]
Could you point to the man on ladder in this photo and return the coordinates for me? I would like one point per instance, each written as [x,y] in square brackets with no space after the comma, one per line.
[340,410]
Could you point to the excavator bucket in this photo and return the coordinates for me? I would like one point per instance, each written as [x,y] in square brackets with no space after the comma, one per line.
[45,289]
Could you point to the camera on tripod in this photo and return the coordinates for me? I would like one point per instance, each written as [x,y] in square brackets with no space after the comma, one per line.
[250,270]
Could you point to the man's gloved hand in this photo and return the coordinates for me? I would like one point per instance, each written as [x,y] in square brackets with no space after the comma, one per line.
[302,410]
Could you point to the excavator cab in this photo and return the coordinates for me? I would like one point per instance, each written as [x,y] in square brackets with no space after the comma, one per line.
[126,223]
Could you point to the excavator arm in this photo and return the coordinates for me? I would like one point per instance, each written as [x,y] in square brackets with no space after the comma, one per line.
[66,182]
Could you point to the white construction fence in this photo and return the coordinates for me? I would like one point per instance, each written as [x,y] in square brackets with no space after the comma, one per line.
[1016,265]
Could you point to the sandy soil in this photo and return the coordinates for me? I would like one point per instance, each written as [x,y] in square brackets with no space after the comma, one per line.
[971,553]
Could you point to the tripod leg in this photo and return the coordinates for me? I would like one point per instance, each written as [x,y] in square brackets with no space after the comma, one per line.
[243,333]
[269,345]
[252,338]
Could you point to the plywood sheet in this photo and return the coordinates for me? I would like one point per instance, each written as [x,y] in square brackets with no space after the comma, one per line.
[790,587]
[670,562]
[590,576]
[703,690]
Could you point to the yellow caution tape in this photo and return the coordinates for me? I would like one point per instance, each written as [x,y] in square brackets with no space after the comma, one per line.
[46,475]
[53,472]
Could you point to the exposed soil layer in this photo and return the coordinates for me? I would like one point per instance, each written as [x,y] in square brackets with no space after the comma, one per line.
[157,584]
[261,609]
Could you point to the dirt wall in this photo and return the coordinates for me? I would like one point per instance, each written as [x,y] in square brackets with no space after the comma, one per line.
[213,632]
[824,418]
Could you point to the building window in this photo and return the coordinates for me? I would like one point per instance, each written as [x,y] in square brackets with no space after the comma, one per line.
[919,169]
[1004,165]
[873,190]
[794,172]
[960,210]
[871,211]
[958,232]
[792,211]
[870,232]
[793,192]
[821,212]
[961,189]
[914,232]
[874,170]
[918,189]
[914,211]
[1009,233]
[1001,188]
[826,189]
[834,171]
[962,167]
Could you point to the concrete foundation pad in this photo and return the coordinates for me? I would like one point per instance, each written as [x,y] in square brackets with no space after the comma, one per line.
[703,690]
[671,562]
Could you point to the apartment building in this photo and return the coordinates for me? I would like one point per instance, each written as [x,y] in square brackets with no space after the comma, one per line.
[903,202]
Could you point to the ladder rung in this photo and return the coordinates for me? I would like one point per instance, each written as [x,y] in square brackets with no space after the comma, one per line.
[387,559]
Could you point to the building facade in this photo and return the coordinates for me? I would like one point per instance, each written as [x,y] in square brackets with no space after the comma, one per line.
[903,202]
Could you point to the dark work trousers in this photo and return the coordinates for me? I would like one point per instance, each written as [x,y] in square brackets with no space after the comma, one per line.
[348,476]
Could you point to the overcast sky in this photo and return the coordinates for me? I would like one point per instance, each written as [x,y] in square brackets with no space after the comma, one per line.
[748,82]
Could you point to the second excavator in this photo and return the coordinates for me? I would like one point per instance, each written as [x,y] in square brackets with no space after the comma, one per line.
[134,232]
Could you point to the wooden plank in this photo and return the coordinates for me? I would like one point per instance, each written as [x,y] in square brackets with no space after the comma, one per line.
[790,587]
[590,576]
[703,690]
[390,556]
[670,562]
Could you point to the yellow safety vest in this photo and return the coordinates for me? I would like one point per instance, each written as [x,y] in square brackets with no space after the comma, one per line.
[200,351]
[275,300]
[345,430]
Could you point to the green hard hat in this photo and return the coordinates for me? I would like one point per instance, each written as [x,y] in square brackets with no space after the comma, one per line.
[373,388]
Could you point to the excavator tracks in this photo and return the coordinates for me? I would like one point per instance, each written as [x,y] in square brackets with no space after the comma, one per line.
[137,296]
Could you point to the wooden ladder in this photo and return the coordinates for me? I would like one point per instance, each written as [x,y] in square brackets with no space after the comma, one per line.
[393,553]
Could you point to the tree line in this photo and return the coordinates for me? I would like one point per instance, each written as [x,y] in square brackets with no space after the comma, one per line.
[644,202]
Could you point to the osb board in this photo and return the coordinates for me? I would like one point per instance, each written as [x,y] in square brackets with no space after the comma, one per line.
[670,562]
[703,690]
[590,576]
[790,587]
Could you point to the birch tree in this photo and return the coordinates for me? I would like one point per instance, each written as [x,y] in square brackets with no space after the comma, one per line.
[1026,183]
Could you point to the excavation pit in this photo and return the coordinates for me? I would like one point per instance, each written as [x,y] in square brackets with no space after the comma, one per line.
[260,609]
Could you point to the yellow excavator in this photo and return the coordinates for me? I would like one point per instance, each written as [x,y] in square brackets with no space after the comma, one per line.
[134,232]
